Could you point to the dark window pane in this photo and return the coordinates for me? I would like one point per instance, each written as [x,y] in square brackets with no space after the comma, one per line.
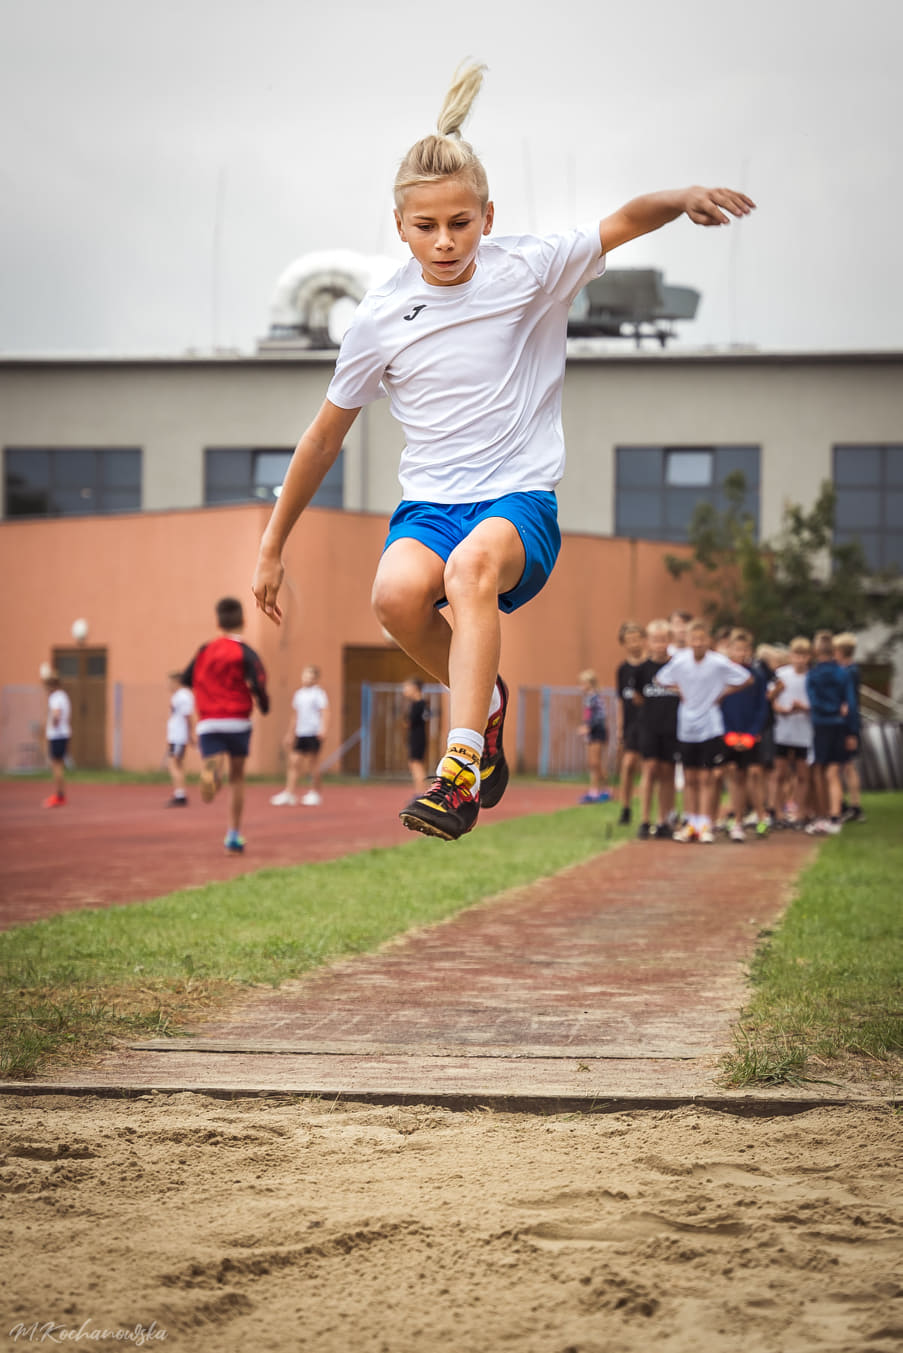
[67,665]
[893,508]
[639,513]
[639,465]
[73,502]
[96,664]
[729,459]
[688,469]
[30,469]
[680,504]
[121,469]
[857,465]
[893,550]
[75,469]
[227,475]
[122,500]
[858,508]
[893,464]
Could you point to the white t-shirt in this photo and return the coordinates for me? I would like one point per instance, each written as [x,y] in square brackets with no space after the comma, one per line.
[792,730]
[473,372]
[309,702]
[700,683]
[59,703]
[181,708]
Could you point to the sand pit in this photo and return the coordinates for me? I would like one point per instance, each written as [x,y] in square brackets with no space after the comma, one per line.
[274,1224]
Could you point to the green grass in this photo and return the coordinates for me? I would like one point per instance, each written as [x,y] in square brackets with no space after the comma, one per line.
[828,983]
[71,984]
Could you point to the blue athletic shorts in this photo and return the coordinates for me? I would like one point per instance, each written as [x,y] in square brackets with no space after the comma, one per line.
[57,748]
[233,744]
[442,526]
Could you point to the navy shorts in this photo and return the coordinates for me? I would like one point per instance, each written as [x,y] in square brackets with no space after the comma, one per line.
[233,744]
[829,743]
[309,744]
[176,750]
[57,748]
[443,526]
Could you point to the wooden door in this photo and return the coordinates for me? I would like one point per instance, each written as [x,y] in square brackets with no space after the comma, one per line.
[83,676]
[376,665]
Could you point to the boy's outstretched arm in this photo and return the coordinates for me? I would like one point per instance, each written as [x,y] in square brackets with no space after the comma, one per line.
[314,455]
[642,215]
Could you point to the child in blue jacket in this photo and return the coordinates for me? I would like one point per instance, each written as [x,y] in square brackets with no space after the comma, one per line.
[834,710]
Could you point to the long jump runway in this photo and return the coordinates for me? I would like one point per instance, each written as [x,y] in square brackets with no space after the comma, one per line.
[615,982]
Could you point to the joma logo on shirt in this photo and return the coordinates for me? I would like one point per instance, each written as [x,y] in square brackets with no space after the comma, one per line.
[415,312]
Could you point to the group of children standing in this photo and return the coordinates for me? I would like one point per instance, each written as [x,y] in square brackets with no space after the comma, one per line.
[757,743]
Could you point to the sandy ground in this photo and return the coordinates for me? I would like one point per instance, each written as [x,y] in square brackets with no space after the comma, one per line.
[273,1224]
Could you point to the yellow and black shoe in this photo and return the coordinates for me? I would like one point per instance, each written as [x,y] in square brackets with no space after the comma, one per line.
[451,805]
[210,780]
[493,766]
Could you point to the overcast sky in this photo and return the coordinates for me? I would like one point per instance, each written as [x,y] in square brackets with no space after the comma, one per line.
[162,163]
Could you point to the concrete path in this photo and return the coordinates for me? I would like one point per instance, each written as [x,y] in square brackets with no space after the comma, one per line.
[615,982]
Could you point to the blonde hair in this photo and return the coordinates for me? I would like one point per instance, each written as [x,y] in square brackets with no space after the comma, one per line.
[588,678]
[657,627]
[801,644]
[845,643]
[444,154]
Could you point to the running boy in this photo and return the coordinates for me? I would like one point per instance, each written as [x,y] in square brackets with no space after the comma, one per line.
[702,678]
[227,677]
[627,678]
[468,340]
[307,727]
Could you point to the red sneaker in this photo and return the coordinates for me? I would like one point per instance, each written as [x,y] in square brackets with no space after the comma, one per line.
[55,801]
[493,766]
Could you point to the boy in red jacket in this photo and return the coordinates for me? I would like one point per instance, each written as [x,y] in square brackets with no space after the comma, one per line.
[227,677]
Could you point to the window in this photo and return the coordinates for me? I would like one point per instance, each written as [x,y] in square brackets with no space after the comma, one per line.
[248,474]
[868,481]
[71,481]
[657,488]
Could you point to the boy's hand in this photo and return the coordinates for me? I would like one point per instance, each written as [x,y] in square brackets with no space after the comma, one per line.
[266,584]
[706,206]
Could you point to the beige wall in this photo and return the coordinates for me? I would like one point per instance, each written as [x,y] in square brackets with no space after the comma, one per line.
[147,584]
[795,408]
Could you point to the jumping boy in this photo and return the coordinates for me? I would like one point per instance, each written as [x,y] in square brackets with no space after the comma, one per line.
[227,678]
[702,678]
[468,340]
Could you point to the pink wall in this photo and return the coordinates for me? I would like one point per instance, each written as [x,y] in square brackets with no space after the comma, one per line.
[147,584]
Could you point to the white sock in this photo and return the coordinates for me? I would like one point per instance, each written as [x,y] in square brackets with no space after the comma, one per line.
[466,737]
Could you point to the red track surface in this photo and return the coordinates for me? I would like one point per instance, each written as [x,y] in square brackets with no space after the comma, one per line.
[119,843]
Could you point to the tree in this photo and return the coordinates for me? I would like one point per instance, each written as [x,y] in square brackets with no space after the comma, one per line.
[801,582]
